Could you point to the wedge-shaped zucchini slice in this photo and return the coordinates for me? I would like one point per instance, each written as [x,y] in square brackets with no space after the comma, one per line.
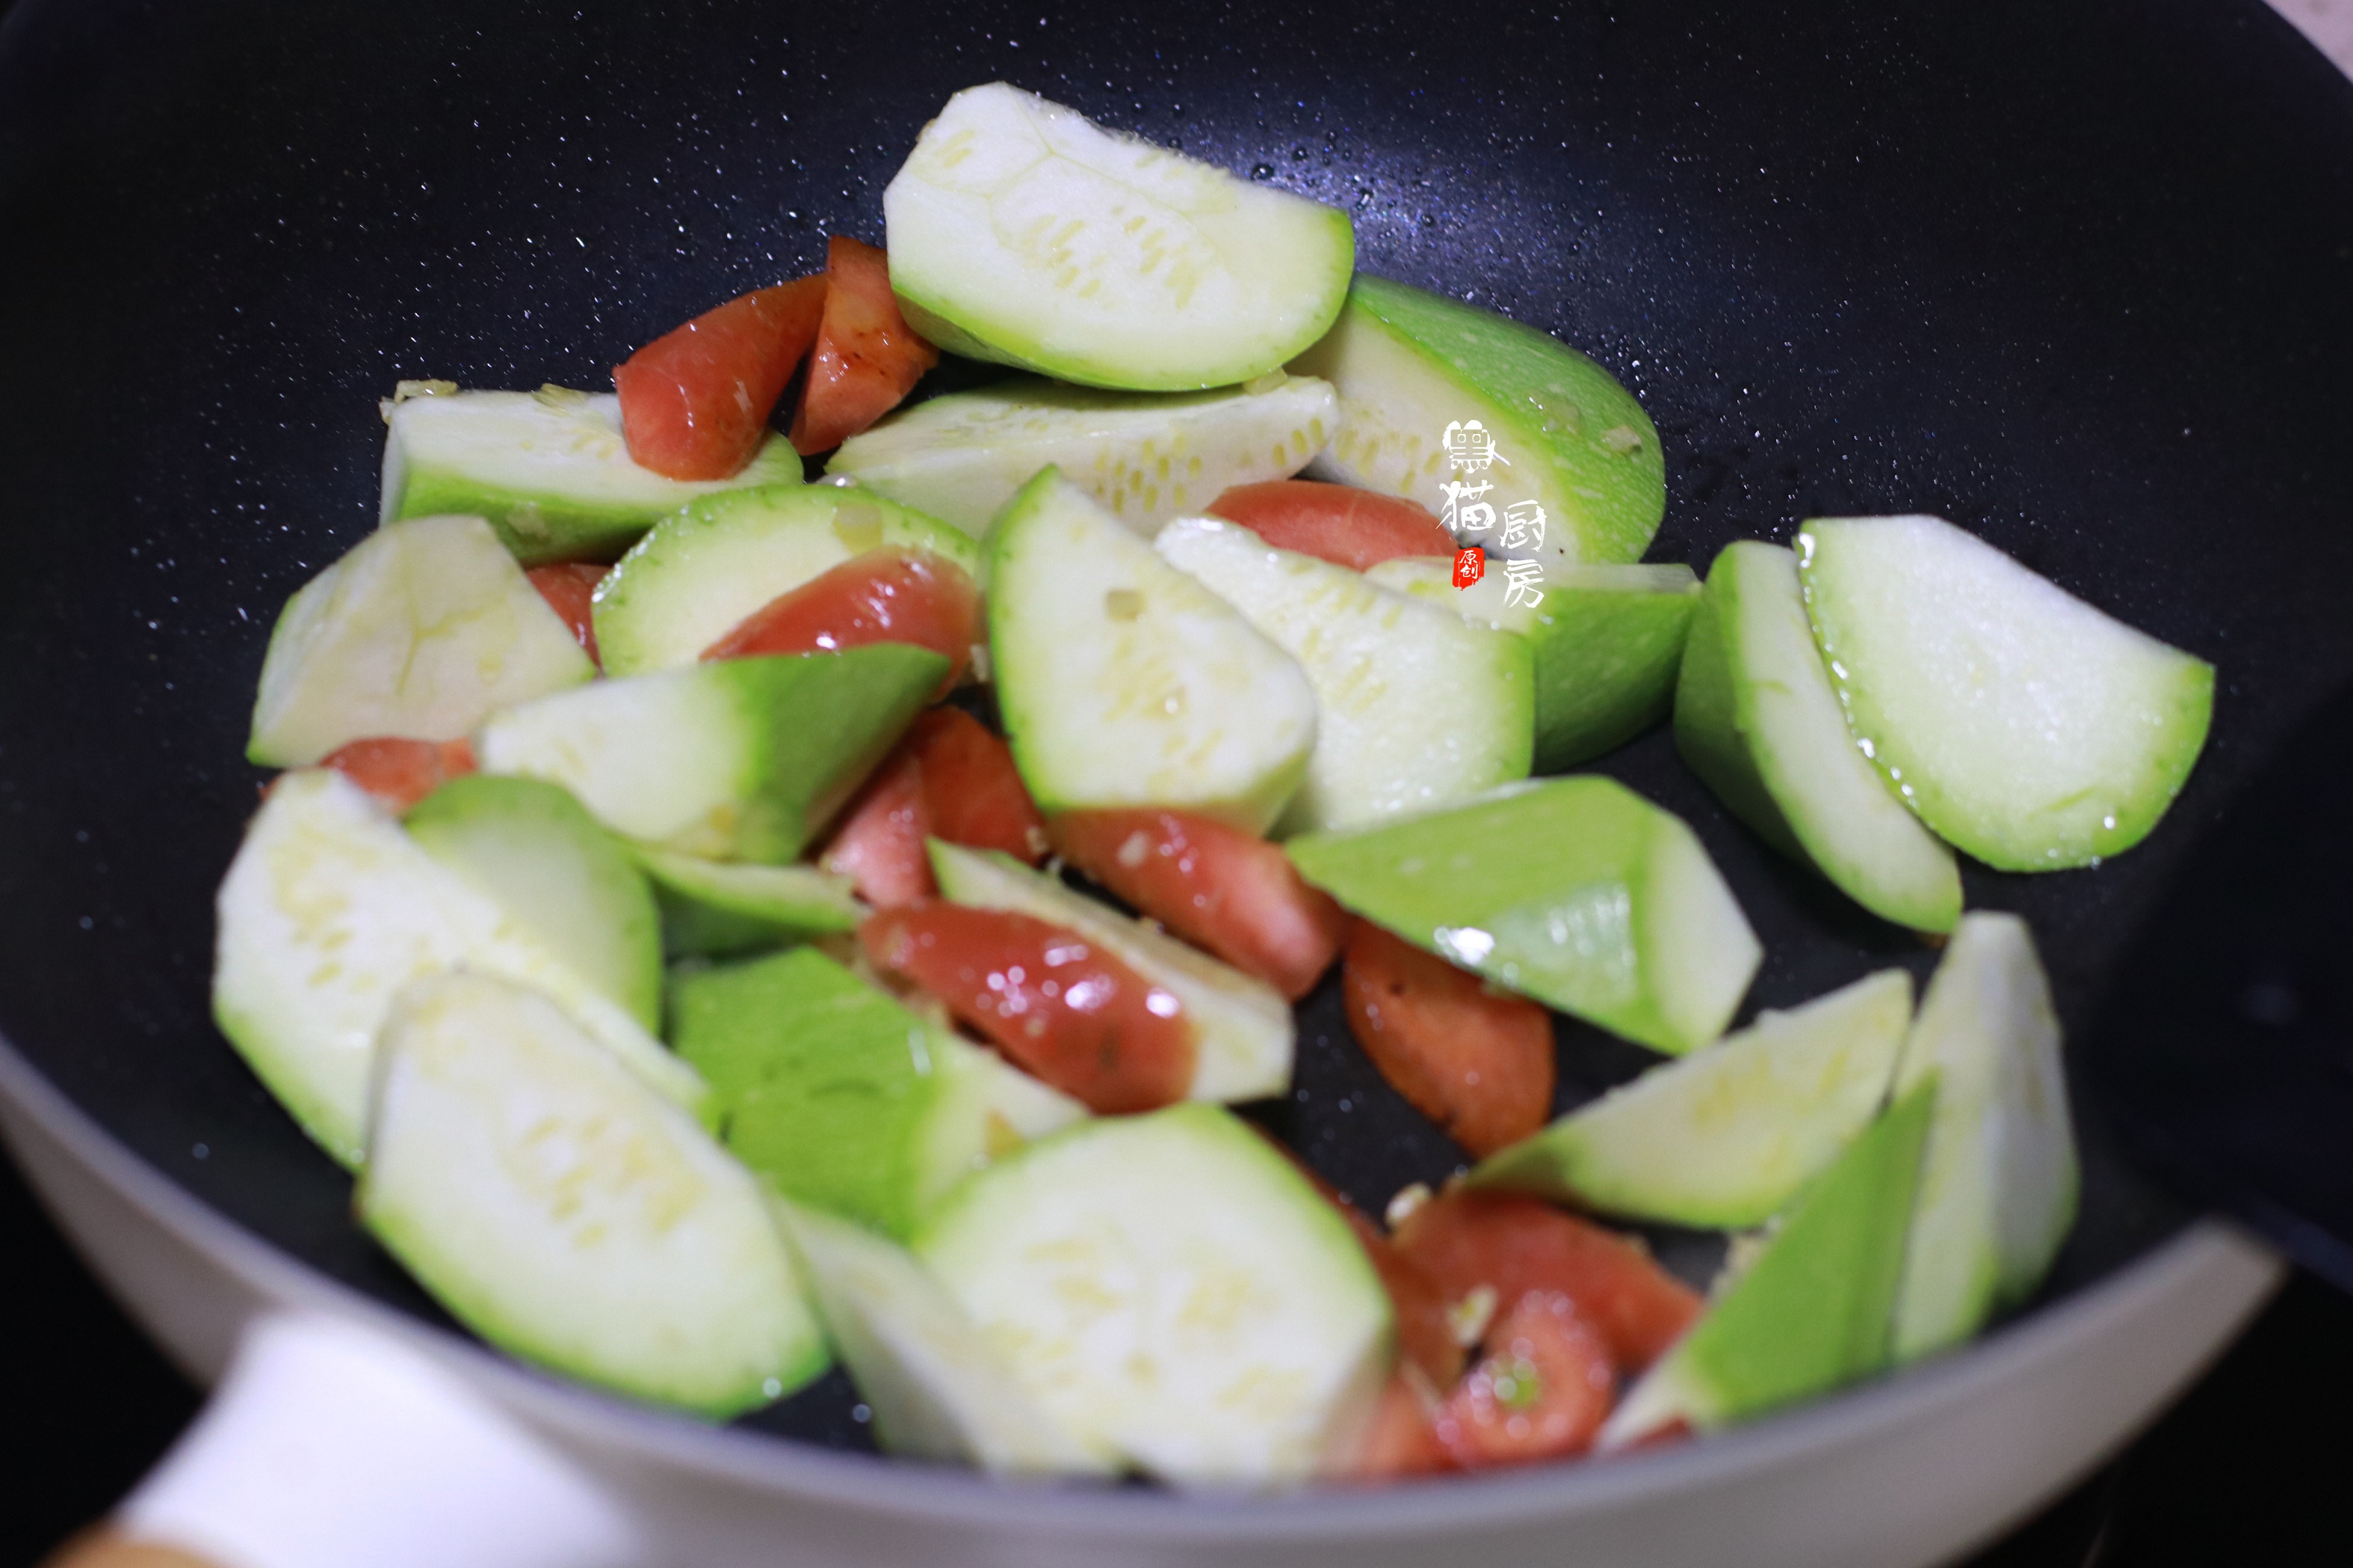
[1124,682]
[1755,716]
[543,860]
[328,911]
[1415,708]
[2024,726]
[842,1098]
[1576,891]
[1723,1139]
[1998,1188]
[1171,1287]
[1574,442]
[1244,1034]
[548,468]
[1606,641]
[1810,1312]
[745,759]
[1021,232]
[419,631]
[704,568]
[713,908]
[937,1388]
[569,1213]
[1144,457]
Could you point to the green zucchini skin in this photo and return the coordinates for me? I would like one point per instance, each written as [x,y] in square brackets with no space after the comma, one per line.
[1407,363]
[1757,716]
[1021,232]
[1576,891]
[548,469]
[2024,727]
[571,1215]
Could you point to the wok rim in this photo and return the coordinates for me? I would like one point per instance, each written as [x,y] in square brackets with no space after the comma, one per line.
[624,1437]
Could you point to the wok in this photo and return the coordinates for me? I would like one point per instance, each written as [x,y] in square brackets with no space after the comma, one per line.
[2078,277]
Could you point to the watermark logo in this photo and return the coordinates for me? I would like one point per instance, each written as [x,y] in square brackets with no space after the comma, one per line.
[1467,514]
[1471,448]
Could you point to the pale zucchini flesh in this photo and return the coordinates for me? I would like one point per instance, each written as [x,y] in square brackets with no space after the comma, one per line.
[1021,232]
[1145,457]
[742,759]
[2025,727]
[549,470]
[1407,363]
[1999,1183]
[1576,891]
[704,569]
[1758,718]
[1124,682]
[1415,708]
[569,1214]
[1171,1287]
[417,632]
[1244,1032]
[937,1389]
[328,911]
[1724,1137]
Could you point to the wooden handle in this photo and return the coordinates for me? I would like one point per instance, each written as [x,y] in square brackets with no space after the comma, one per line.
[107,1548]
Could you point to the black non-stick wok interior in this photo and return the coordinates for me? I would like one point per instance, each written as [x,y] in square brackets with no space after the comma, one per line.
[2078,277]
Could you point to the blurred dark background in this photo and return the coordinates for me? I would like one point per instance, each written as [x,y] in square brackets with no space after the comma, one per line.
[2245,1467]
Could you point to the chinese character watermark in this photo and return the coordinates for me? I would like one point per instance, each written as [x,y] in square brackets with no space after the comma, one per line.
[1520,580]
[1524,526]
[1471,448]
[1471,451]
[1463,512]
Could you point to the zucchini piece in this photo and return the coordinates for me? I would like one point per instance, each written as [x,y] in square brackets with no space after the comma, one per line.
[419,631]
[1021,232]
[1757,718]
[1171,1287]
[1408,363]
[706,567]
[548,468]
[569,1214]
[327,911]
[1576,891]
[1810,1313]
[713,908]
[1124,682]
[1723,1139]
[1999,1187]
[1415,709]
[537,855]
[1607,643]
[936,1388]
[1245,1034]
[842,1098]
[1144,457]
[744,759]
[2025,727]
